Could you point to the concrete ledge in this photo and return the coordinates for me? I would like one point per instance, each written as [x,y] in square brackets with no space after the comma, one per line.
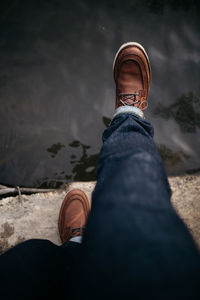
[38,216]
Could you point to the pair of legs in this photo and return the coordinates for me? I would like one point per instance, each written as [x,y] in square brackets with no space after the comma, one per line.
[134,246]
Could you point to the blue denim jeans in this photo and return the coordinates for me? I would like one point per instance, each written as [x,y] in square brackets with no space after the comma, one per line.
[135,246]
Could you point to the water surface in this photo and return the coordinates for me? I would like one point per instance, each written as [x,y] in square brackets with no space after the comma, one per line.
[57,92]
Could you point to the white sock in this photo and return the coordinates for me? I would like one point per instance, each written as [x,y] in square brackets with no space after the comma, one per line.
[129,109]
[76,239]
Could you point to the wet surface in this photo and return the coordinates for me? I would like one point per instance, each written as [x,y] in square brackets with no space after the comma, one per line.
[57,90]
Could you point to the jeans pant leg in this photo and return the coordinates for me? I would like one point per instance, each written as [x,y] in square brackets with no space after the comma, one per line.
[135,246]
[37,269]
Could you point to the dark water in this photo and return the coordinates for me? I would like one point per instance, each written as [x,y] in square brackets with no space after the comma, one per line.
[57,90]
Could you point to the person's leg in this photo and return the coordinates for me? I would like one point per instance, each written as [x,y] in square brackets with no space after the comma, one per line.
[135,246]
[37,269]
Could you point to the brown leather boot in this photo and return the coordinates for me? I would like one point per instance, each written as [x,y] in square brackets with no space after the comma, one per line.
[132,75]
[73,215]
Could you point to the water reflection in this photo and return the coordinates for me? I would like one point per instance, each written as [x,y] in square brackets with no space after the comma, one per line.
[185,111]
[171,158]
[55,148]
[83,166]
[158,6]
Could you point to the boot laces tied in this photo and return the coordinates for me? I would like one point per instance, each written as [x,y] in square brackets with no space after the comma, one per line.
[72,232]
[124,97]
